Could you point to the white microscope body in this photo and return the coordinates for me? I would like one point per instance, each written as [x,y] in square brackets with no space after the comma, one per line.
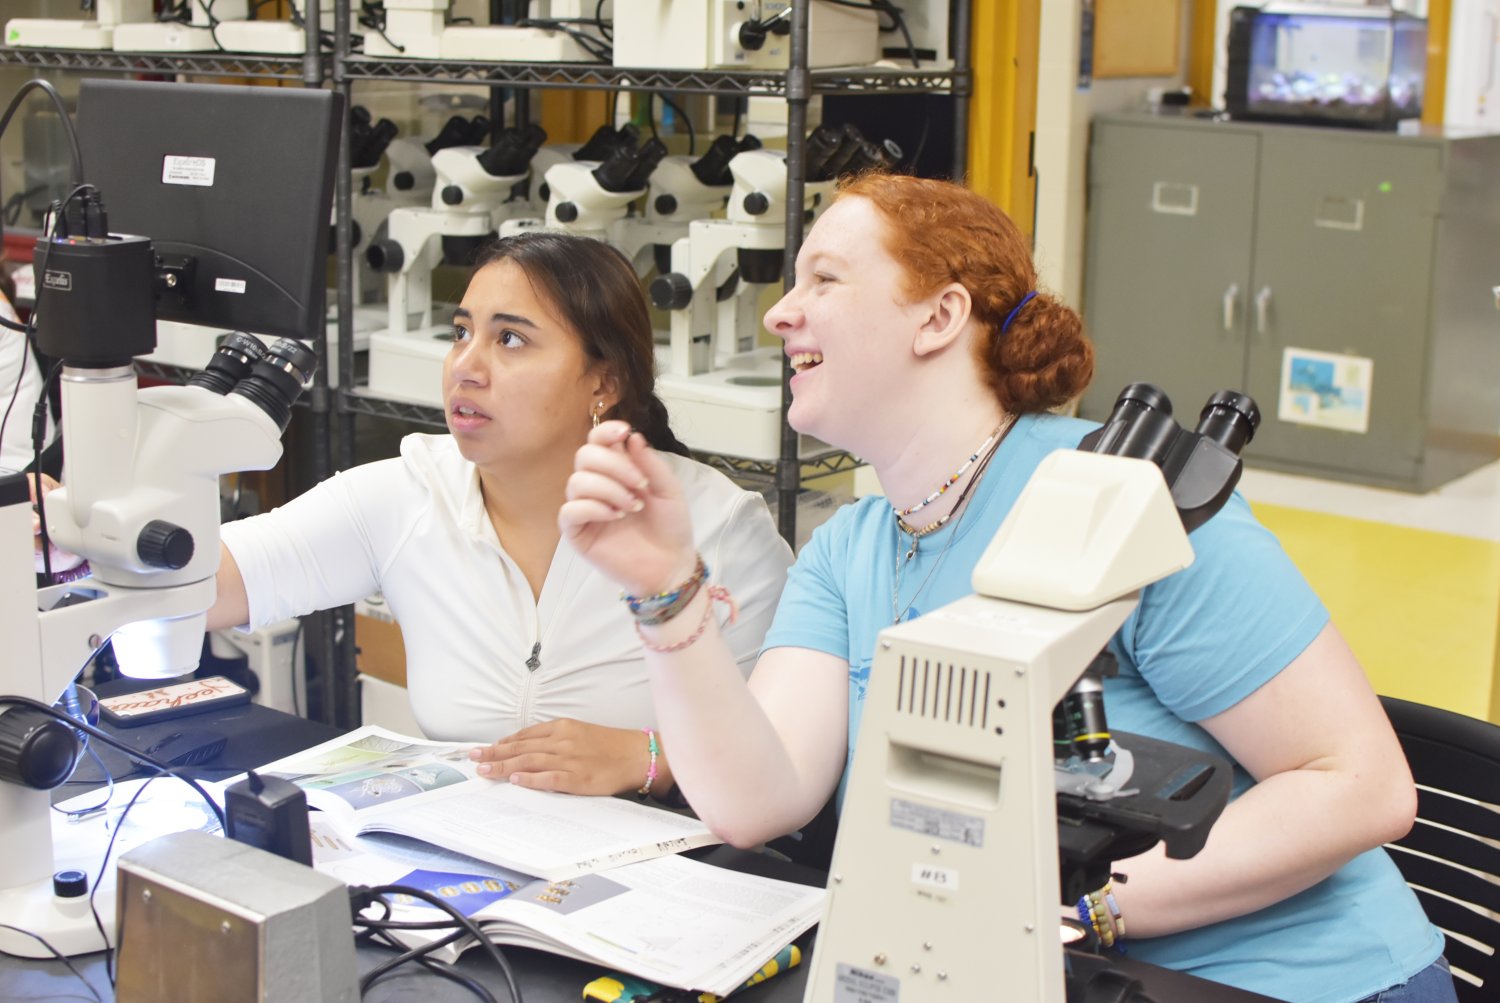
[950,816]
[724,393]
[467,201]
[96,33]
[282,38]
[419,29]
[141,503]
[198,35]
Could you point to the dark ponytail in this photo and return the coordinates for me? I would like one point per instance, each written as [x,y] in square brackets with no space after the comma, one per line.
[595,291]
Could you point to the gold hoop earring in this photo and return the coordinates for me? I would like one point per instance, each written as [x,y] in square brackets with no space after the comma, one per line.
[598,413]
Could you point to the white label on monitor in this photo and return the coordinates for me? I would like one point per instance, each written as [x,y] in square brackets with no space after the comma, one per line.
[197,171]
[229,286]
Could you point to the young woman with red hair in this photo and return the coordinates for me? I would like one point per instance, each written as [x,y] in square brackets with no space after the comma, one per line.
[922,344]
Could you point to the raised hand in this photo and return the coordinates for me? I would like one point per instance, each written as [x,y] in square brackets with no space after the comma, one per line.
[570,756]
[625,512]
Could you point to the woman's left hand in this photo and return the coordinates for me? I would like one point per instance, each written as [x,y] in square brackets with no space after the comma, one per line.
[570,756]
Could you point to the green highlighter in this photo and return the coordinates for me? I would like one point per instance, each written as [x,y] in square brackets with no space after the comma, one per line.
[617,988]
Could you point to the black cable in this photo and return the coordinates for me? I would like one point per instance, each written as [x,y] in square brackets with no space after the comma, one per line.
[420,956]
[296,640]
[686,120]
[118,746]
[109,848]
[62,112]
[36,475]
[363,896]
[56,954]
[606,30]
[898,21]
[601,51]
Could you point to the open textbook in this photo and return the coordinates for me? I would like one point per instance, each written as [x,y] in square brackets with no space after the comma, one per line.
[673,920]
[373,780]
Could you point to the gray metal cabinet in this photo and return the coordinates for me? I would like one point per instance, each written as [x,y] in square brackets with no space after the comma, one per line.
[1346,280]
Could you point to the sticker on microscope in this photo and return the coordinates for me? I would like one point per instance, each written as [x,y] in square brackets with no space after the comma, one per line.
[860,985]
[1325,389]
[943,879]
[936,822]
[229,286]
[195,171]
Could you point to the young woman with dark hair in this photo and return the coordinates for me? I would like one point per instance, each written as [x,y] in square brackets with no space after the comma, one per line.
[509,634]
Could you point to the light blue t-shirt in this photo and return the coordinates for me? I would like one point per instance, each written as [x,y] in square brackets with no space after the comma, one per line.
[1199,642]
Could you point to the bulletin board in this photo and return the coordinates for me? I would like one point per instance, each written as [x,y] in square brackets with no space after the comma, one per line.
[1137,38]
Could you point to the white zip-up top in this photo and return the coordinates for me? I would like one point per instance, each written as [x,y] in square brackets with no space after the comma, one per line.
[484,658]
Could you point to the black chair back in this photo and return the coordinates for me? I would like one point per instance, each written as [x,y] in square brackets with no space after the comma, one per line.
[1455,761]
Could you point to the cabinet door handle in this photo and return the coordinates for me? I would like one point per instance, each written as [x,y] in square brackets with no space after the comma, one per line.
[1263,310]
[1231,299]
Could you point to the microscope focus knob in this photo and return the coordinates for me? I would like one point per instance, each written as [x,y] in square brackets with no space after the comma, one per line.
[452,195]
[671,291]
[385,256]
[403,181]
[162,544]
[566,212]
[757,204]
[666,204]
[36,750]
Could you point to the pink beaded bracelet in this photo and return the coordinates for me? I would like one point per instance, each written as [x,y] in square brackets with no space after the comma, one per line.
[716,593]
[655,750]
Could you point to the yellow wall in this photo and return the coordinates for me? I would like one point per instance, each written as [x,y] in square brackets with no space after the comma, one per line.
[1002,113]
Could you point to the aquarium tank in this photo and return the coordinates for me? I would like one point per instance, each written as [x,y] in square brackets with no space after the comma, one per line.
[1361,67]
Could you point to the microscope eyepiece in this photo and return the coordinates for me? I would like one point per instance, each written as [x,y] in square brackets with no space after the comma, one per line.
[276,381]
[1230,419]
[230,363]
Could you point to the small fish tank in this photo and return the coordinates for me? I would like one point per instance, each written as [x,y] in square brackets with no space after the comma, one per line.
[1307,64]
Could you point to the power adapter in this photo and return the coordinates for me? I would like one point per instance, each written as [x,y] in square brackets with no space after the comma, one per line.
[271,814]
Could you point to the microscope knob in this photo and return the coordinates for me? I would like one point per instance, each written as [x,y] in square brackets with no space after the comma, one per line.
[756,203]
[384,256]
[164,545]
[671,291]
[666,204]
[403,181]
[36,750]
[452,195]
[567,212]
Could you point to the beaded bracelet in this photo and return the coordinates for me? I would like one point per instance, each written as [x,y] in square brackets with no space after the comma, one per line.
[655,750]
[1100,910]
[653,611]
[716,593]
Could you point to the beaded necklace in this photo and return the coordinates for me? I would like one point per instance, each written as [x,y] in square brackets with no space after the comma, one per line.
[898,611]
[943,488]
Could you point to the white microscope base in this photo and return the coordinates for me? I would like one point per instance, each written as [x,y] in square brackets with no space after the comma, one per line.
[280,38]
[510,44]
[733,411]
[410,366]
[57,33]
[163,38]
[65,924]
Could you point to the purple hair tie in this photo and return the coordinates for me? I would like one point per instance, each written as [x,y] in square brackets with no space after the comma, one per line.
[1012,315]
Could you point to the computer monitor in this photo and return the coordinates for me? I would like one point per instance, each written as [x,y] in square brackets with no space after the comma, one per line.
[232,184]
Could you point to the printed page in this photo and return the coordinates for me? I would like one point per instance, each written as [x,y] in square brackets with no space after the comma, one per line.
[672,920]
[551,835]
[380,781]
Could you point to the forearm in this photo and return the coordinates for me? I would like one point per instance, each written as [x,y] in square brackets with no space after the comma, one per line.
[728,759]
[1283,836]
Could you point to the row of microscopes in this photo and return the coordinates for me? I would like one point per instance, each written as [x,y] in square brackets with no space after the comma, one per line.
[707,230]
[662,34]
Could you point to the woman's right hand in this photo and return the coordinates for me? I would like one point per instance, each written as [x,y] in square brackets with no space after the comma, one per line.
[626,514]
